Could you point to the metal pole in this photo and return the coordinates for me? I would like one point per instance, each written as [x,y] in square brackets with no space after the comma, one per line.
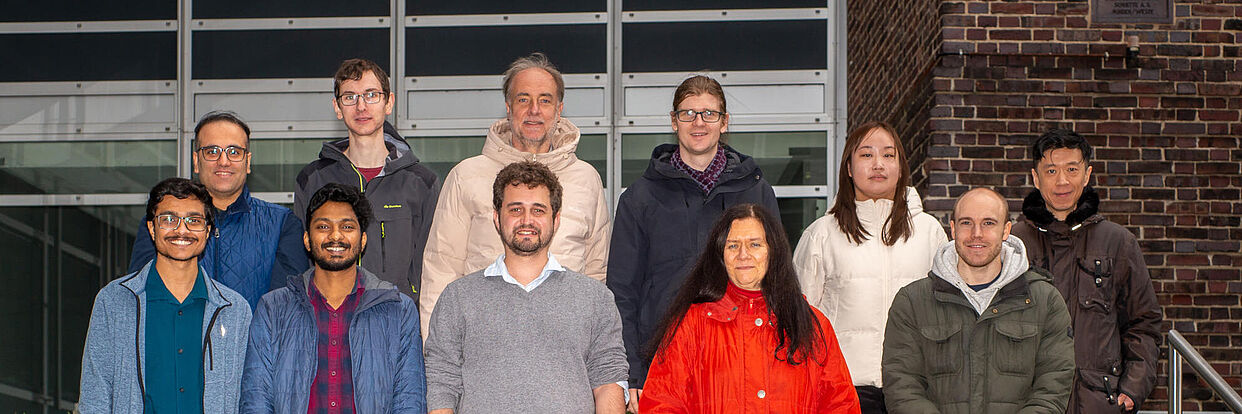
[1177,343]
[1175,380]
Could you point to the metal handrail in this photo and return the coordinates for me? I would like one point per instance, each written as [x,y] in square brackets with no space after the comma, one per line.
[1179,348]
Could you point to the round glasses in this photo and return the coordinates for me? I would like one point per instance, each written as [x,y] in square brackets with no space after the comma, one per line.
[172,221]
[709,116]
[233,152]
[371,97]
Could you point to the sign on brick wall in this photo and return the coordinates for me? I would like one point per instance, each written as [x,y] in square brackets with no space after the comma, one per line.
[1132,11]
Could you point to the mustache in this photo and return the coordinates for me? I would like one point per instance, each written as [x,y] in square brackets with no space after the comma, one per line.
[190,239]
[326,245]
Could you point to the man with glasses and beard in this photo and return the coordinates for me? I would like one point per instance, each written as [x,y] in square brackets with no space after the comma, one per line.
[167,338]
[336,338]
[254,245]
[525,334]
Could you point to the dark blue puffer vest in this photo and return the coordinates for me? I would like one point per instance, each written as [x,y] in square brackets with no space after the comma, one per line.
[249,243]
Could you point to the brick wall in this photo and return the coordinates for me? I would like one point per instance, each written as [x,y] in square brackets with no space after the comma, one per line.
[892,45]
[1166,126]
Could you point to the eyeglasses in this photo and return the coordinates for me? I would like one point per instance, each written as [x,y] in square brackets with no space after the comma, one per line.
[233,152]
[371,97]
[709,116]
[172,221]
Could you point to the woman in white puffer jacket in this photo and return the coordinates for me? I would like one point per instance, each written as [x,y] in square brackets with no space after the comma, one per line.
[876,239]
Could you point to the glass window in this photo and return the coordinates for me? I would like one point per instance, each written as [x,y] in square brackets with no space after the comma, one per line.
[95,10]
[57,257]
[786,158]
[89,56]
[83,167]
[445,51]
[233,9]
[257,54]
[417,8]
[717,46]
[798,213]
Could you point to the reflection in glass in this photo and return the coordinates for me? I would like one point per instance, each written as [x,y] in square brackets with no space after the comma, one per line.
[55,261]
[786,158]
[85,167]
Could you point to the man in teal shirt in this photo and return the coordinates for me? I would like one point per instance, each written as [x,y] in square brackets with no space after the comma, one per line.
[167,338]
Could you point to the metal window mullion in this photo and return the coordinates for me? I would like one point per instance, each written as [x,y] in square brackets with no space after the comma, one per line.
[616,42]
[837,101]
[723,15]
[396,28]
[100,26]
[293,23]
[512,19]
[185,101]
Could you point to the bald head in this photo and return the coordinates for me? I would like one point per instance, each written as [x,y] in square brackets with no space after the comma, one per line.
[983,195]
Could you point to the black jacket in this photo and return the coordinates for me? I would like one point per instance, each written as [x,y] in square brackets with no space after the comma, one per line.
[403,200]
[1098,267]
[660,229]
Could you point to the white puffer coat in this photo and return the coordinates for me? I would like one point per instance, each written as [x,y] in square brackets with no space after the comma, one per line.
[854,284]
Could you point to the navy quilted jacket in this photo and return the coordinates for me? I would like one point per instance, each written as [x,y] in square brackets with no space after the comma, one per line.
[385,346]
[253,248]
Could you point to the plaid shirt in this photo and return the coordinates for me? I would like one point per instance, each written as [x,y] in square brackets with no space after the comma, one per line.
[708,178]
[333,389]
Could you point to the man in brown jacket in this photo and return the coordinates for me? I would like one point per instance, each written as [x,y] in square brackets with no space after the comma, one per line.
[1098,267]
[463,237]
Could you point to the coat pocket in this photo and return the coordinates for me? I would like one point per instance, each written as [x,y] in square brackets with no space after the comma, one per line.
[941,353]
[1096,291]
[1014,349]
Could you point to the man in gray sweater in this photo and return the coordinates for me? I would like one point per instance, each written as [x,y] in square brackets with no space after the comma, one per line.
[525,334]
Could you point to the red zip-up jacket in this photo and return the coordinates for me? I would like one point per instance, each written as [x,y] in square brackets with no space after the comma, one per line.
[722,360]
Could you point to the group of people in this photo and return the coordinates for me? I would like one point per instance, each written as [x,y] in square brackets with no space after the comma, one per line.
[386,290]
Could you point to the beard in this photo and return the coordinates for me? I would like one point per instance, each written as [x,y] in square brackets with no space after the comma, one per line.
[526,247]
[324,260]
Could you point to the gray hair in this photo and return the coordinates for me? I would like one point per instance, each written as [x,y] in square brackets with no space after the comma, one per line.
[536,60]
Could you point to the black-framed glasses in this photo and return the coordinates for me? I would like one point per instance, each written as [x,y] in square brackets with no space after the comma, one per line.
[709,116]
[371,97]
[172,221]
[233,152]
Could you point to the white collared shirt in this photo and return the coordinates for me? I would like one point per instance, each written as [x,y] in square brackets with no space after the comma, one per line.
[498,268]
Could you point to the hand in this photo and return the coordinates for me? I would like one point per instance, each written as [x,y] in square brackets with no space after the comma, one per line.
[1124,401]
[633,404]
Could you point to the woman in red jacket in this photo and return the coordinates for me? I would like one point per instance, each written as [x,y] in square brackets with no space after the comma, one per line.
[740,338]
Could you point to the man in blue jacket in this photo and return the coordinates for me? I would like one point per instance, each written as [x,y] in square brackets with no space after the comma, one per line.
[167,338]
[336,338]
[255,244]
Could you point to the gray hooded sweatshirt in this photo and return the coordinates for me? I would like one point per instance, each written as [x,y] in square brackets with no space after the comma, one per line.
[1013,265]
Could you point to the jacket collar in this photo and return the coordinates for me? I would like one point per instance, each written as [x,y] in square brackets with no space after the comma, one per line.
[565,136]
[137,283]
[873,213]
[399,153]
[1036,211]
[241,204]
[375,290]
[945,292]
[739,173]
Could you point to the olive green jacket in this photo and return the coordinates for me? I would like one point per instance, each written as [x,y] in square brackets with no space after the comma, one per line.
[941,356]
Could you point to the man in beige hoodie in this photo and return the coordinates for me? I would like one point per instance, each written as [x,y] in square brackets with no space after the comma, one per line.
[463,238]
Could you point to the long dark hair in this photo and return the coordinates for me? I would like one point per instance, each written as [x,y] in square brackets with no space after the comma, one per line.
[897,225]
[797,329]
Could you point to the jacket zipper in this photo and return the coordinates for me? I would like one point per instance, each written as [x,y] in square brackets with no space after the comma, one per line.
[210,353]
[383,249]
[142,387]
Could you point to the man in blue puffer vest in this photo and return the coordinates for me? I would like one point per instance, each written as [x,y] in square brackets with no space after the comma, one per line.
[255,245]
[336,338]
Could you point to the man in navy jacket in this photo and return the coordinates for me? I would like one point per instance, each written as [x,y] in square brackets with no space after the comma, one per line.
[255,245]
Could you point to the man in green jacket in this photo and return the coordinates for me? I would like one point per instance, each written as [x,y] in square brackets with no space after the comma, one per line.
[984,332]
